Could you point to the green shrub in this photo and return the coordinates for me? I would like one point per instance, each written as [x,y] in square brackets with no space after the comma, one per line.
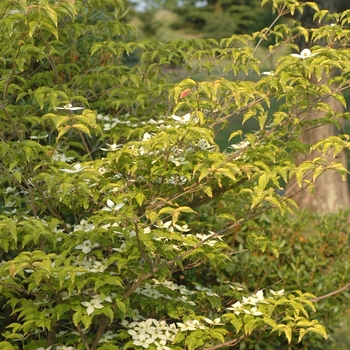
[112,182]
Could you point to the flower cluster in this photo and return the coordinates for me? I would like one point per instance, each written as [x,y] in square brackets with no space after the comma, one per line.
[151,331]
[92,265]
[193,325]
[249,305]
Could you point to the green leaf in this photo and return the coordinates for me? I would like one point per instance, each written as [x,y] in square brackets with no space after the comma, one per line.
[82,127]
[235,133]
[77,317]
[288,333]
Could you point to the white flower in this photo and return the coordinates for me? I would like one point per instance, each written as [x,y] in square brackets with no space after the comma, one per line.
[253,311]
[39,137]
[107,337]
[280,292]
[61,157]
[178,161]
[306,53]
[143,341]
[102,117]
[236,286]
[177,180]
[190,325]
[95,303]
[242,144]
[204,145]
[161,345]
[108,126]
[271,73]
[217,321]
[182,120]
[146,136]
[113,147]
[76,168]
[252,300]
[10,190]
[211,242]
[86,246]
[84,226]
[102,170]
[97,267]
[183,228]
[259,295]
[69,107]
[111,206]
[237,307]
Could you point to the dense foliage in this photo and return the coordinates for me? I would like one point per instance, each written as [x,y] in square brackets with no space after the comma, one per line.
[115,199]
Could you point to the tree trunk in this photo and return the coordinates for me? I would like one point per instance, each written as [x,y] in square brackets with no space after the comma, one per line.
[331,192]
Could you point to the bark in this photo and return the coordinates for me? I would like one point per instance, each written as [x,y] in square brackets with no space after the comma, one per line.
[331,192]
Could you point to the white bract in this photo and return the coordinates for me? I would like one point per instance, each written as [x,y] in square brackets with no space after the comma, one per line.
[111,206]
[242,144]
[61,157]
[76,169]
[84,226]
[86,246]
[253,300]
[190,325]
[39,137]
[306,53]
[95,303]
[253,311]
[113,147]
[182,120]
[271,73]
[69,107]
[237,307]
[146,136]
[216,322]
[277,293]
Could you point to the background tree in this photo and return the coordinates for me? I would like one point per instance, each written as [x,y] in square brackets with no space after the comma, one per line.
[331,192]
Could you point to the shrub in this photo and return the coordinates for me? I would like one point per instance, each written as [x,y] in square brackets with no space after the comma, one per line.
[112,182]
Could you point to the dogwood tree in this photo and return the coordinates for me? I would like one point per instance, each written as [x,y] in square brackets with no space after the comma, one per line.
[112,182]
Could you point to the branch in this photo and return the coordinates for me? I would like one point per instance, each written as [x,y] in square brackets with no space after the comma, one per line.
[331,293]
[231,342]
[100,332]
